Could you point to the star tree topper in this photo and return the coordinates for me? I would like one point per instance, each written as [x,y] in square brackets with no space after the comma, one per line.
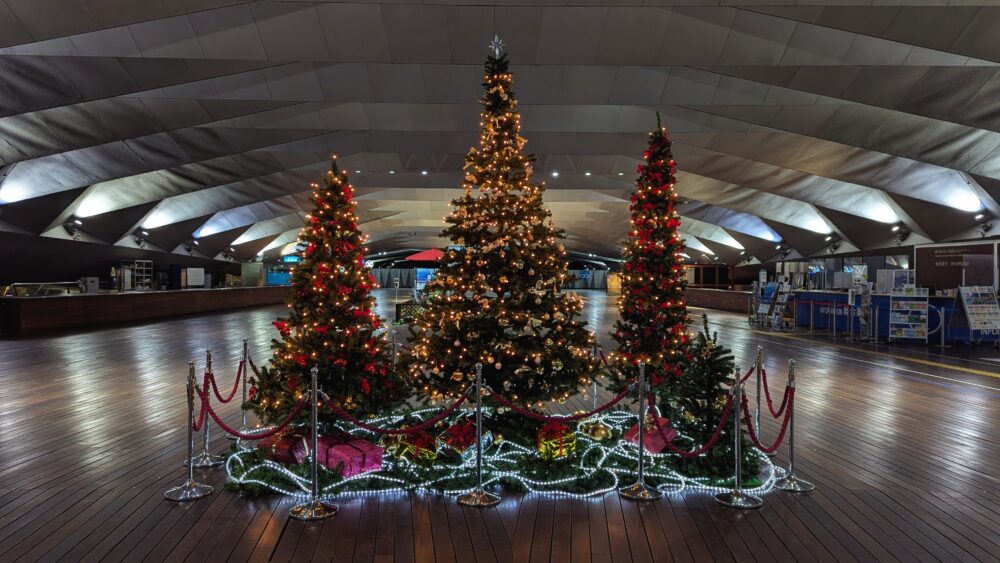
[497,46]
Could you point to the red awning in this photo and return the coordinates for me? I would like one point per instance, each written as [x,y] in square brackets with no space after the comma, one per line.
[432,255]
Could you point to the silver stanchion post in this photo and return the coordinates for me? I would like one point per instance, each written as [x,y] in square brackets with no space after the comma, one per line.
[315,508]
[394,354]
[243,374]
[640,490]
[736,498]
[205,458]
[791,482]
[190,489]
[479,497]
[757,367]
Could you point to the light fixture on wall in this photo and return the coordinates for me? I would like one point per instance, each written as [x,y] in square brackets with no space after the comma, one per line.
[984,228]
[72,226]
[902,233]
[140,237]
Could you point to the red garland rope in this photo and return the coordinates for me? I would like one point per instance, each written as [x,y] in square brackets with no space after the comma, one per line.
[210,379]
[711,441]
[569,418]
[408,430]
[767,395]
[789,393]
[206,406]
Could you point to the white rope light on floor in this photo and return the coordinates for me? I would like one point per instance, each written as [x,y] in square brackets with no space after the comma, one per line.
[500,461]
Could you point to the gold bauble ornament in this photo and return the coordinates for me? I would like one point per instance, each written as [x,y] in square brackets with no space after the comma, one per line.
[598,431]
[557,364]
[457,376]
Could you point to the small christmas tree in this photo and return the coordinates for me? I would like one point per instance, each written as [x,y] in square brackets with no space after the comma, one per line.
[652,322]
[694,404]
[331,323]
[497,297]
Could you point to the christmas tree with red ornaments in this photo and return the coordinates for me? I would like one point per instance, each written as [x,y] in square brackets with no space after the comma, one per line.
[331,322]
[652,325]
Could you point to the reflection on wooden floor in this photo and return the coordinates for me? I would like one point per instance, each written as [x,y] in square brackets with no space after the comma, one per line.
[904,455]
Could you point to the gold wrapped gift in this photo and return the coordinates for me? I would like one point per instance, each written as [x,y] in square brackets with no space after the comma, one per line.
[556,440]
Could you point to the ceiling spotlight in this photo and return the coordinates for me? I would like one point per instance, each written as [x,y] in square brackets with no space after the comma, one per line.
[555,173]
[423,172]
[139,237]
[778,247]
[392,172]
[587,173]
[828,238]
[621,173]
[984,228]
[979,217]
[742,252]
[357,172]
[901,234]
[895,228]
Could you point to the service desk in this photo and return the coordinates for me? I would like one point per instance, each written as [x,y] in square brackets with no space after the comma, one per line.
[26,315]
[829,311]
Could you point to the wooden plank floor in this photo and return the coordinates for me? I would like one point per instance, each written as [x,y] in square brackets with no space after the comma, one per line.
[903,447]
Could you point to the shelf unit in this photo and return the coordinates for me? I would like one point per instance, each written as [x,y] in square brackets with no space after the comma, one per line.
[908,314]
[136,275]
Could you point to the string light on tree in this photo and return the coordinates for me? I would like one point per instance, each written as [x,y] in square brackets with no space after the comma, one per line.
[497,297]
[331,322]
[652,324]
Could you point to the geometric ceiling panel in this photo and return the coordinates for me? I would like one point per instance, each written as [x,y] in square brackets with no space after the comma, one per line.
[792,123]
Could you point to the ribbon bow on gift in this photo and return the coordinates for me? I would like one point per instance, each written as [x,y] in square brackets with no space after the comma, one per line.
[461,436]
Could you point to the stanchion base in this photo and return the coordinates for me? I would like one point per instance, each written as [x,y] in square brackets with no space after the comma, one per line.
[231,437]
[793,484]
[478,498]
[313,510]
[739,499]
[190,490]
[772,454]
[640,491]
[205,460]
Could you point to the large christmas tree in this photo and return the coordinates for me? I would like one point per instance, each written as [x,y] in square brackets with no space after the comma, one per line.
[652,325]
[331,322]
[497,297]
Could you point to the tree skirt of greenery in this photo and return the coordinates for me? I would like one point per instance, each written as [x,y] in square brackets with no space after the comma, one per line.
[510,463]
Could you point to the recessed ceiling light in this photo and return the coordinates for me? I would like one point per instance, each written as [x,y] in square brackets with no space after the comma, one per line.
[424,172]
[777,247]
[895,228]
[392,172]
[587,173]
[979,216]
[357,172]
[79,222]
[828,239]
[555,173]
[621,173]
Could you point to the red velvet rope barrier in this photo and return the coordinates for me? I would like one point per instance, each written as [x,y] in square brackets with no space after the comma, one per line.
[789,391]
[711,441]
[210,379]
[767,395]
[568,418]
[207,407]
[408,430]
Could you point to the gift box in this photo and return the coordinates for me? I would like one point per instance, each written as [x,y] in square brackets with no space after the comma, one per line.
[417,447]
[353,458]
[654,439]
[288,449]
[556,440]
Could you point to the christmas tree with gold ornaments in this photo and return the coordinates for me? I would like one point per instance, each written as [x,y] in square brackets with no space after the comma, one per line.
[497,298]
[652,325]
[331,323]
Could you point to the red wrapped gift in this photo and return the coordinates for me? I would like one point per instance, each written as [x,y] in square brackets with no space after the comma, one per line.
[655,439]
[353,458]
[289,449]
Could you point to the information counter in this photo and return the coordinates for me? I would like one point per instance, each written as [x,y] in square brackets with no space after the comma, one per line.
[828,310]
[26,315]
